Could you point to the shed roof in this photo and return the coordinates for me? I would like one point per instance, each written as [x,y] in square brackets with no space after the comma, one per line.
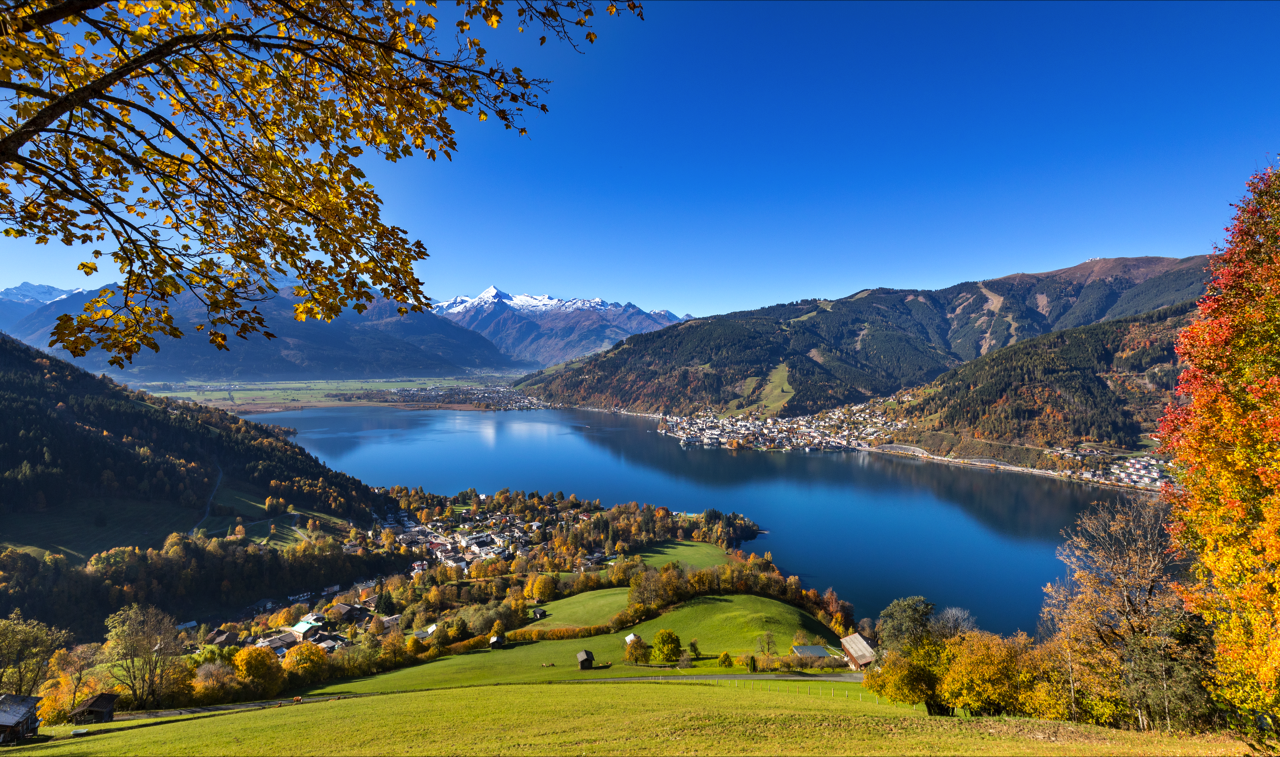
[810,651]
[586,655]
[15,709]
[857,647]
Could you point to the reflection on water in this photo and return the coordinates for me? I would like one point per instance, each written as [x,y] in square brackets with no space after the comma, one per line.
[874,527]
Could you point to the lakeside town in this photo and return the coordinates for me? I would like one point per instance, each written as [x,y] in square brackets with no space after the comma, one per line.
[866,427]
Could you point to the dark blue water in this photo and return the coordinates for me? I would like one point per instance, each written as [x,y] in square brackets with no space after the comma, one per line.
[873,526]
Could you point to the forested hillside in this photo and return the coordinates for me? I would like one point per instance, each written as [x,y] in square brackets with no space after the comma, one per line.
[801,357]
[66,434]
[1105,383]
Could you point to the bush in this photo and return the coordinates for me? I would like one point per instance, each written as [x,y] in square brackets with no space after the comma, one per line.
[726,660]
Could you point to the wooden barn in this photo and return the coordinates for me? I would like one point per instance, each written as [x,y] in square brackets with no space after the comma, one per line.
[858,651]
[585,659]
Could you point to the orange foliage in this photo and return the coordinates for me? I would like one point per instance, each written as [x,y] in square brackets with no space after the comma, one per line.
[1226,442]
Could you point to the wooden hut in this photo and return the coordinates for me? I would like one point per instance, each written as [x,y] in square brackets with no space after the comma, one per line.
[585,659]
[100,708]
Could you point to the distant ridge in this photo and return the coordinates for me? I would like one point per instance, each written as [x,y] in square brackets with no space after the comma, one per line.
[375,344]
[546,330]
[801,357]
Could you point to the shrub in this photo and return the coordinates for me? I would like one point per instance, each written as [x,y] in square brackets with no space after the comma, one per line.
[726,660]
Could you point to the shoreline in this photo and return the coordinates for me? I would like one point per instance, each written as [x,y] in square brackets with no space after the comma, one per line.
[923,455]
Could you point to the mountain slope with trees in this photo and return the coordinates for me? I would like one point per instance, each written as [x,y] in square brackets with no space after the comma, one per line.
[67,435]
[801,357]
[1106,383]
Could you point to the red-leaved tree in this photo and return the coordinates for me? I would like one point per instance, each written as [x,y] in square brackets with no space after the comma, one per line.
[1225,439]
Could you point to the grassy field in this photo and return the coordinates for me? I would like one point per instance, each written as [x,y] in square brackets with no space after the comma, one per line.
[720,624]
[287,395]
[696,554]
[775,393]
[77,535]
[589,609]
[636,718]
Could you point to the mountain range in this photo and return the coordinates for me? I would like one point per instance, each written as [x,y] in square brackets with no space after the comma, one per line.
[801,357]
[375,344]
[545,330]
[18,302]
[492,332]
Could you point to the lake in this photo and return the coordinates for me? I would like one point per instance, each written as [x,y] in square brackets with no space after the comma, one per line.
[873,526]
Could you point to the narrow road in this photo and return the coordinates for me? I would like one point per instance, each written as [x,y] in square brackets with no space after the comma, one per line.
[209,505]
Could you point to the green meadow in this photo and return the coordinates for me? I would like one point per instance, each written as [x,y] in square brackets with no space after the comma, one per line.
[638,718]
[695,554]
[720,624]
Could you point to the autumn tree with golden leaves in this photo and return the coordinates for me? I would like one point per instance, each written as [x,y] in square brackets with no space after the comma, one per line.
[212,148]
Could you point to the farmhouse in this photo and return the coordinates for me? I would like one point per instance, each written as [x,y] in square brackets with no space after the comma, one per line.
[858,651]
[18,718]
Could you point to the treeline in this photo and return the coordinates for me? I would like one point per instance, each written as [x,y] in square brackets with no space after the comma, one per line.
[1118,647]
[66,434]
[1104,383]
[185,574]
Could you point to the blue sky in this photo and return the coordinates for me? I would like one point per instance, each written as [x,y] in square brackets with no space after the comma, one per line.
[722,156]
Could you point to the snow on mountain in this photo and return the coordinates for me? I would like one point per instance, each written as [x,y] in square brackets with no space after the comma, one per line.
[35,293]
[546,330]
[532,303]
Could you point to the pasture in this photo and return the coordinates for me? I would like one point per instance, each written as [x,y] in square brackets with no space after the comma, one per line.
[695,554]
[720,624]
[633,718]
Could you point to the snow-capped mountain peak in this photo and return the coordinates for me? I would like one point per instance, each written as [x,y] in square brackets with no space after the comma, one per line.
[28,292]
[536,303]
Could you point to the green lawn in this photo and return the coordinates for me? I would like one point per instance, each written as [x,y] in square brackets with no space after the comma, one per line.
[589,609]
[732,624]
[720,624]
[694,553]
[71,530]
[635,718]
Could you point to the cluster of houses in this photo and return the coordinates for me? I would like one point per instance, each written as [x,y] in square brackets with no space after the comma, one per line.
[865,427]
[1142,472]
[467,542]
[852,427]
